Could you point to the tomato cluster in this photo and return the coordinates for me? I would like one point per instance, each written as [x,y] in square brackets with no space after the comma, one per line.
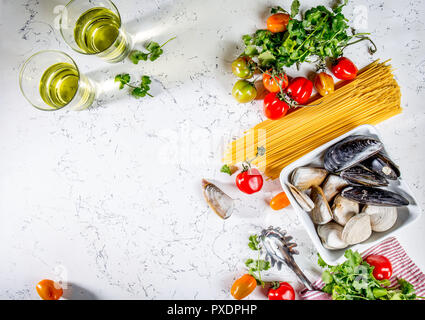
[284,93]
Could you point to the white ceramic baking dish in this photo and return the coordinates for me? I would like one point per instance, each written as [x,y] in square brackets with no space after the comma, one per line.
[406,215]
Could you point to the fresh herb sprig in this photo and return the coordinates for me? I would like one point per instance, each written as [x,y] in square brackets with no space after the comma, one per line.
[154,52]
[320,33]
[354,280]
[138,92]
[255,266]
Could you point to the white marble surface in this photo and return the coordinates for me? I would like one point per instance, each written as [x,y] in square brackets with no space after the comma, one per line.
[109,199]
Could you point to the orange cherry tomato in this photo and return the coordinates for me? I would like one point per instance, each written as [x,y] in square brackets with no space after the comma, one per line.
[49,290]
[243,286]
[278,22]
[324,84]
[271,84]
[279,201]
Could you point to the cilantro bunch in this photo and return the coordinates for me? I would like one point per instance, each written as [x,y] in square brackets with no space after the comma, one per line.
[255,266]
[353,280]
[320,33]
[137,91]
[154,51]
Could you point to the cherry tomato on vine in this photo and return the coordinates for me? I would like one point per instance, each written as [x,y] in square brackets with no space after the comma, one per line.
[300,89]
[279,201]
[244,91]
[278,22]
[274,108]
[249,181]
[344,69]
[281,291]
[383,268]
[243,67]
[324,84]
[243,286]
[274,83]
[49,290]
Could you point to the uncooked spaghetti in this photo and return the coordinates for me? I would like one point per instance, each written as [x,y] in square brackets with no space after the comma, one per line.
[372,97]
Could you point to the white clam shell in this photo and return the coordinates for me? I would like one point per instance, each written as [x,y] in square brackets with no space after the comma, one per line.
[331,235]
[305,177]
[343,209]
[302,199]
[357,229]
[321,212]
[332,186]
[381,218]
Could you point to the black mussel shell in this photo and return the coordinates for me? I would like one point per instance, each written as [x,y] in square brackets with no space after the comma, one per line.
[374,196]
[382,165]
[361,176]
[350,151]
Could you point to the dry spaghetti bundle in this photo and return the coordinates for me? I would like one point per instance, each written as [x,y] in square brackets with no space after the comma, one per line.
[372,97]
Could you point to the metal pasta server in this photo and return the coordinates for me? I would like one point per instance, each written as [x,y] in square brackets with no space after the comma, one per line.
[279,249]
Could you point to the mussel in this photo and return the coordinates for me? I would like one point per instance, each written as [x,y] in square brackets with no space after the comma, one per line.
[305,177]
[218,201]
[374,196]
[382,165]
[361,176]
[350,151]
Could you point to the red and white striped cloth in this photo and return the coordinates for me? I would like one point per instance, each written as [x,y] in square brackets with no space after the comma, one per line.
[403,267]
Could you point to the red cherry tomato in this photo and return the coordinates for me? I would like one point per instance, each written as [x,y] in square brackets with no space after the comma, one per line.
[271,84]
[278,22]
[249,181]
[274,107]
[49,290]
[383,268]
[344,69]
[281,291]
[300,89]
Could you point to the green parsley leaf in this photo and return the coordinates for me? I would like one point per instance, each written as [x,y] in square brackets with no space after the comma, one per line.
[123,79]
[254,243]
[154,52]
[295,7]
[226,169]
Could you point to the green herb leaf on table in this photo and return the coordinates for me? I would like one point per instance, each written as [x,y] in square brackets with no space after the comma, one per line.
[226,169]
[138,92]
[154,52]
[254,243]
[295,8]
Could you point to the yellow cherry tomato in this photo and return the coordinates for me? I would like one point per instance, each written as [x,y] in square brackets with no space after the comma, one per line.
[324,84]
[49,290]
[243,286]
[279,201]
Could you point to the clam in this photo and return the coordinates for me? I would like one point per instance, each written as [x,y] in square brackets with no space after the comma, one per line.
[343,209]
[381,218]
[332,186]
[321,212]
[382,165]
[302,199]
[374,196]
[218,201]
[305,177]
[357,229]
[331,235]
[360,175]
[350,151]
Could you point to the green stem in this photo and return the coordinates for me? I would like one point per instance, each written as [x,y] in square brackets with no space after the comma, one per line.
[167,41]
